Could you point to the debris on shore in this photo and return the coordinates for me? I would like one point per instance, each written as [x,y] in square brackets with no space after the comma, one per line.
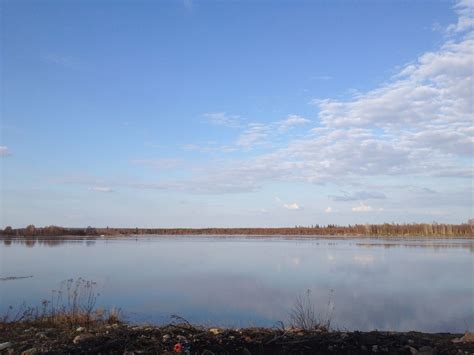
[126,339]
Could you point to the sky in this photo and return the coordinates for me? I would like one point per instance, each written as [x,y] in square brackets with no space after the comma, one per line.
[236,113]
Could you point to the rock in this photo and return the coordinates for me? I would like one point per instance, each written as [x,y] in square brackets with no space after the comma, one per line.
[31,351]
[6,345]
[215,331]
[466,338]
[41,335]
[375,348]
[413,351]
[363,348]
[81,338]
[80,329]
[165,338]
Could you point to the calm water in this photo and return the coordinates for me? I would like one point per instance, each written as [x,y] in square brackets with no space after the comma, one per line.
[423,285]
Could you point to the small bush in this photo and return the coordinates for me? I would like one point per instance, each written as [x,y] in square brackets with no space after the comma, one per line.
[304,316]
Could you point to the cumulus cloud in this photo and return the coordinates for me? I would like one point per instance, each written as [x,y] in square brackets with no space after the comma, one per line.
[255,134]
[465,10]
[362,208]
[4,151]
[292,120]
[288,206]
[418,124]
[223,119]
[291,206]
[101,189]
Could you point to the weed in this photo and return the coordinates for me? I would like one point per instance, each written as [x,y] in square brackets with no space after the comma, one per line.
[303,314]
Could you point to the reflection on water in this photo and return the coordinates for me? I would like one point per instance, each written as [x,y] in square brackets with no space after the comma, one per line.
[394,284]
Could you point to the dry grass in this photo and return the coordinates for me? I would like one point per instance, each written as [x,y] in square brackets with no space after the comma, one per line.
[72,305]
[304,314]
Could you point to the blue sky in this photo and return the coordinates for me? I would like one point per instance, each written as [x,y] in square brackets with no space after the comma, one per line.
[242,113]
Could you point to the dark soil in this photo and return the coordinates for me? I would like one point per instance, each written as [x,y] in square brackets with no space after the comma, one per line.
[28,339]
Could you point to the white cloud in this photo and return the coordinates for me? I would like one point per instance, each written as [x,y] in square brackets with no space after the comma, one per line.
[101,189]
[255,134]
[223,119]
[292,120]
[362,208]
[4,151]
[416,125]
[465,11]
[209,148]
[328,210]
[292,206]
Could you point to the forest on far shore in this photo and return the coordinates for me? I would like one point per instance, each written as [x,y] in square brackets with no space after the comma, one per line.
[386,229]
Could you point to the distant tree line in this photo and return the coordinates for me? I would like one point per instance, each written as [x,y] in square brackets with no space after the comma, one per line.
[386,229]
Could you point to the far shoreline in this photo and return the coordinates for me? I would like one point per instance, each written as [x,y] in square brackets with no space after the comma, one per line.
[411,237]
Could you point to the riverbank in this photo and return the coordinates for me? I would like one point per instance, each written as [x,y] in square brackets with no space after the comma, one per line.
[121,338]
[358,230]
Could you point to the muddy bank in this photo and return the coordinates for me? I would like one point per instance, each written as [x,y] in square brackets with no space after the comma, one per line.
[119,338]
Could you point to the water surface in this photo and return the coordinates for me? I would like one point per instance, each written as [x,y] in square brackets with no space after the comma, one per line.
[365,284]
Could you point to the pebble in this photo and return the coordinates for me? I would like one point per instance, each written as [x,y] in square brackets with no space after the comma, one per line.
[80,329]
[80,338]
[165,338]
[215,331]
[6,345]
[375,348]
